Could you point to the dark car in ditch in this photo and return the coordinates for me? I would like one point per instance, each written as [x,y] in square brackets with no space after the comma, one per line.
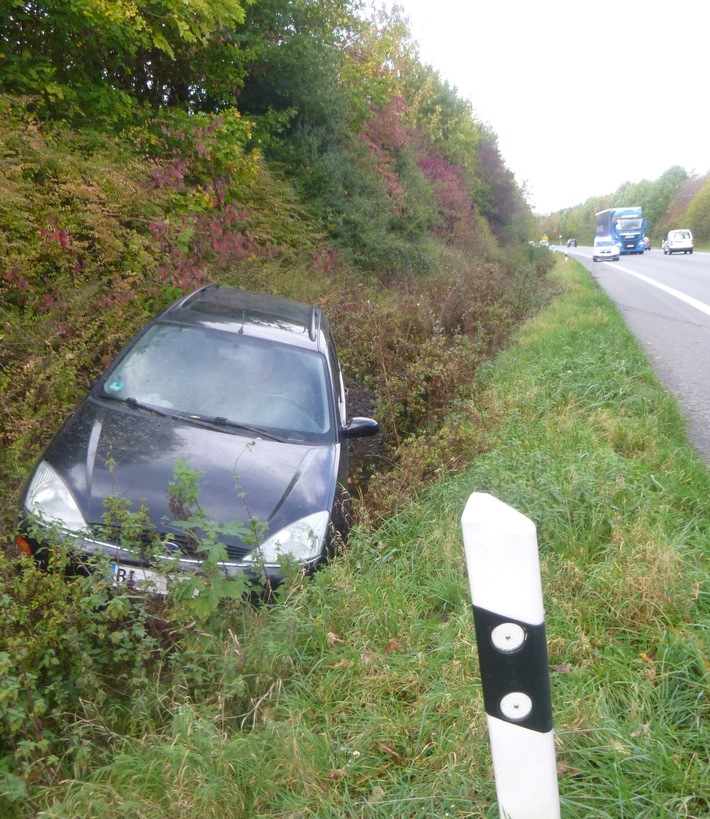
[243,388]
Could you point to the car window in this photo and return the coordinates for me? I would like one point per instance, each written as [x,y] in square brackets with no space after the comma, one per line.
[192,371]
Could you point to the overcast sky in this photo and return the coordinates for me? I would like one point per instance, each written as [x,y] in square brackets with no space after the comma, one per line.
[582,95]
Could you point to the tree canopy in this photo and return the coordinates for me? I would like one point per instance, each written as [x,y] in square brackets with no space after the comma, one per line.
[384,153]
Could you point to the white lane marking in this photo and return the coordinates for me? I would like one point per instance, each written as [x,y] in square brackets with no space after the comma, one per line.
[699,305]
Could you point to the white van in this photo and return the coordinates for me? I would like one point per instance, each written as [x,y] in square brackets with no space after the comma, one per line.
[678,241]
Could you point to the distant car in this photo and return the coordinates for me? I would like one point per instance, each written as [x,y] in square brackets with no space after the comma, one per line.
[646,243]
[605,248]
[544,243]
[571,243]
[678,241]
[246,389]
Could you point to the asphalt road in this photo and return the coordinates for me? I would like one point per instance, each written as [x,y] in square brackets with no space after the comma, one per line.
[665,301]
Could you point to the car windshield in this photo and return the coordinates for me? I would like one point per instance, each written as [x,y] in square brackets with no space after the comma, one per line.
[629,224]
[603,243]
[224,378]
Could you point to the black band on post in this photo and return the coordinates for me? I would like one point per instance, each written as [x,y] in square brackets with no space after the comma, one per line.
[521,670]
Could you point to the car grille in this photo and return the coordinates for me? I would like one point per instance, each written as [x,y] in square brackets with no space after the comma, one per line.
[185,545]
[176,543]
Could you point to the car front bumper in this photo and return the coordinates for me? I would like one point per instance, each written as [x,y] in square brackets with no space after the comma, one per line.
[151,574]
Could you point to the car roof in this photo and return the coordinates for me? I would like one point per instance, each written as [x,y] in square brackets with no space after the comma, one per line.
[232,309]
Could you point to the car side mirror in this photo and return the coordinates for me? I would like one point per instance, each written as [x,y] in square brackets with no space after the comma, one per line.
[361,428]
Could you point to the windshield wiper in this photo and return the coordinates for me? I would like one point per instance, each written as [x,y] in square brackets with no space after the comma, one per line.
[135,404]
[212,421]
[221,421]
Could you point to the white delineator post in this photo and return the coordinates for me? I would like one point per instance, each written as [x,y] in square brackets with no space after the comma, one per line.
[504,575]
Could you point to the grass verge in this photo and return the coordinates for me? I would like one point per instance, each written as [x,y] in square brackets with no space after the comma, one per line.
[359,696]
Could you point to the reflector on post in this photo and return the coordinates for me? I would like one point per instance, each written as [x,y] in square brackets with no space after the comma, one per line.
[506,591]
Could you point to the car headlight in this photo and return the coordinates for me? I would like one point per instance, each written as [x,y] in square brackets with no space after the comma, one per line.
[49,499]
[302,540]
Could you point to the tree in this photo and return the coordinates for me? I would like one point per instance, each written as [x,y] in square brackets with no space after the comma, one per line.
[99,57]
[699,213]
[663,192]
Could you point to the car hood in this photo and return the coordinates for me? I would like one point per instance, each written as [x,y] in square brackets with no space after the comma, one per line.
[114,450]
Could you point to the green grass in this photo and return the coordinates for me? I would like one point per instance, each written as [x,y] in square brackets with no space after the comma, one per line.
[359,695]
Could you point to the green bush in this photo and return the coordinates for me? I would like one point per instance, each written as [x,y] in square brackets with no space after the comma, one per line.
[699,214]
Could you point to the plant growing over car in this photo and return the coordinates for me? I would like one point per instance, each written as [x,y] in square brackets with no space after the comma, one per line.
[202,593]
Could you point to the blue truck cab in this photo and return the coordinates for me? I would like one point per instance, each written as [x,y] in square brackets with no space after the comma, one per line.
[625,226]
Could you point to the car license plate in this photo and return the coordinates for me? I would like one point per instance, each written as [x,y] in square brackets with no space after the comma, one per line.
[139,578]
